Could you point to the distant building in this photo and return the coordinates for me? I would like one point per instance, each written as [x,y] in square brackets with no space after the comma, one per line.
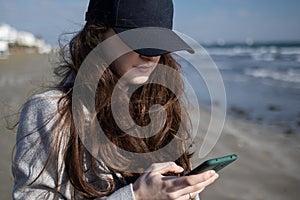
[26,39]
[7,33]
[3,49]
[14,42]
[43,48]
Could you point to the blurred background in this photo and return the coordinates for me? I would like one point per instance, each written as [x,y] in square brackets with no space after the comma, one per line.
[254,43]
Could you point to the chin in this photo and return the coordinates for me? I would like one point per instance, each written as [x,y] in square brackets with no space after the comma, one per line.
[139,80]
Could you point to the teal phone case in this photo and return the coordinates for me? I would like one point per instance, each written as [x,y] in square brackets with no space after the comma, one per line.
[213,164]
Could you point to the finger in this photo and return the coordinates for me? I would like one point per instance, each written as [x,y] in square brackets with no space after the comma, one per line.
[194,194]
[201,186]
[163,168]
[203,176]
[210,180]
[186,196]
[181,190]
[199,191]
[186,181]
[176,184]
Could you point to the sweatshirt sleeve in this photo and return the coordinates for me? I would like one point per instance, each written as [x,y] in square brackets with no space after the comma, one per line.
[32,151]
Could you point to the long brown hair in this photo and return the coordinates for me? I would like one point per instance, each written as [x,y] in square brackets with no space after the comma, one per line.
[75,153]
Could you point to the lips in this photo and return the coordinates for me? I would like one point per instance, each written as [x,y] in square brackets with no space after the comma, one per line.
[144,68]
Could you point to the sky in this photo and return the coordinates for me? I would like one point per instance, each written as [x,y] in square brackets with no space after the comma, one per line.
[203,20]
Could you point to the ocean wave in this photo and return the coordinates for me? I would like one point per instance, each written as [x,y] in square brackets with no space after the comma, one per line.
[235,51]
[290,50]
[290,75]
[261,53]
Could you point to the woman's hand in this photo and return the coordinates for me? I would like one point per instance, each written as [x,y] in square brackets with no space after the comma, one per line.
[153,185]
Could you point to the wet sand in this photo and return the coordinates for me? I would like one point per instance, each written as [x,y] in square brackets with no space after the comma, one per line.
[267,167]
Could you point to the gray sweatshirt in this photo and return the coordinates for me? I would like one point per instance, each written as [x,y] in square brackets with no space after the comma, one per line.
[33,148]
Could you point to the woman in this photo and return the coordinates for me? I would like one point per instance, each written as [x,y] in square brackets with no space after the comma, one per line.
[52,159]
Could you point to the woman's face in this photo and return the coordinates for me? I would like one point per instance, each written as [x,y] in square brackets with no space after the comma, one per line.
[139,67]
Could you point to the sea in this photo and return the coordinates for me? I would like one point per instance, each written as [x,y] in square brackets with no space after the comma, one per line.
[262,82]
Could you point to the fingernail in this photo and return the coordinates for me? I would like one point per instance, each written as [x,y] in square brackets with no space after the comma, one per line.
[177,167]
[181,169]
[212,172]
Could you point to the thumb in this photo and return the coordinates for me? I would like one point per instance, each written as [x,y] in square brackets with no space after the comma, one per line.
[170,167]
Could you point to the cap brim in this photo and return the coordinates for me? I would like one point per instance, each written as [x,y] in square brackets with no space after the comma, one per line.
[157,41]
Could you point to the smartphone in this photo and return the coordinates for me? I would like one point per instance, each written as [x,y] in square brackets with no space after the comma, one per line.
[213,164]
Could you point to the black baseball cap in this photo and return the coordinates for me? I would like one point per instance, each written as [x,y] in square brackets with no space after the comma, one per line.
[123,15]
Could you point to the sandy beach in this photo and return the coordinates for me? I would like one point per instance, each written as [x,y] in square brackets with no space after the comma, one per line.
[20,77]
[267,167]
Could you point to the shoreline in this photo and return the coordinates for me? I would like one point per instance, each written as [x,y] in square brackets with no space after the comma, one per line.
[275,125]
